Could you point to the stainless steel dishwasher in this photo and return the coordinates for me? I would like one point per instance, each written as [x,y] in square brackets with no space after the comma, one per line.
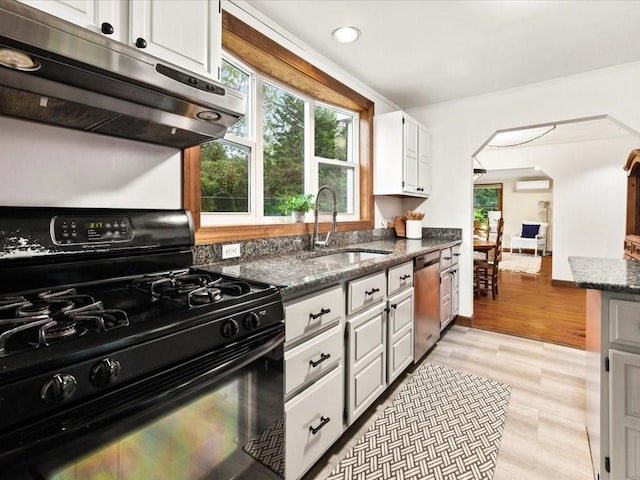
[427,303]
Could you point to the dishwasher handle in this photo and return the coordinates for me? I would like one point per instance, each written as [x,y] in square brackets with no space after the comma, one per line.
[424,261]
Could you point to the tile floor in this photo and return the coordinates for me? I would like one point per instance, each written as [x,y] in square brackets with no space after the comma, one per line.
[544,436]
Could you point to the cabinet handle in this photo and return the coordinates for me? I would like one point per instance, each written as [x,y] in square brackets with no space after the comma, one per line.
[372,291]
[456,254]
[404,277]
[394,305]
[106,28]
[447,258]
[323,422]
[323,357]
[323,311]
[141,42]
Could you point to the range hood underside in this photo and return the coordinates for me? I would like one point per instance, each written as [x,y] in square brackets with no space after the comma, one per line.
[133,121]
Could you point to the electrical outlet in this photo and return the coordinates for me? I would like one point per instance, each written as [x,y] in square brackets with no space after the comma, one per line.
[230,251]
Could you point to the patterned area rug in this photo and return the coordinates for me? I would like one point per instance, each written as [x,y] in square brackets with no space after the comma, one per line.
[443,425]
[520,262]
[268,448]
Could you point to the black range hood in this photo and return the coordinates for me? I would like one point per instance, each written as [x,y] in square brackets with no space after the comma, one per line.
[54,72]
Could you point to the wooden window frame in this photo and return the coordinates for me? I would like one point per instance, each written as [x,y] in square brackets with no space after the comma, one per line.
[275,61]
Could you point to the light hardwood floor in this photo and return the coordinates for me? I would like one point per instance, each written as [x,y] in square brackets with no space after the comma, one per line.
[544,436]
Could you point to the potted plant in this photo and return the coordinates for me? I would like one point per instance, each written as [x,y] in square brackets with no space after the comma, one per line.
[296,205]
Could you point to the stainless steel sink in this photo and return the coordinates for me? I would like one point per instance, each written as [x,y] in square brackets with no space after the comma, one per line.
[347,258]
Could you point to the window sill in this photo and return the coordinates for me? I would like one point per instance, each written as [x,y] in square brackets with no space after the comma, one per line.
[250,232]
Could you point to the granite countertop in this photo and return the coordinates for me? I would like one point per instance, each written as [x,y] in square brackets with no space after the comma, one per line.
[608,274]
[296,274]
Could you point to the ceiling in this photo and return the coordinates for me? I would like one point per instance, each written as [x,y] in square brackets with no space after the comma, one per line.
[580,131]
[419,52]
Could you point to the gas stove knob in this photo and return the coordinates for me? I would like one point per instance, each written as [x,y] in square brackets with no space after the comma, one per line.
[252,321]
[230,328]
[58,388]
[105,372]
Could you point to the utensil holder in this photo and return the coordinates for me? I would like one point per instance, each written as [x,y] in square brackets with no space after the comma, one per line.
[414,228]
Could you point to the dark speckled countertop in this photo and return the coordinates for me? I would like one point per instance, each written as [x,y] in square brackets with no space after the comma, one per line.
[296,274]
[608,274]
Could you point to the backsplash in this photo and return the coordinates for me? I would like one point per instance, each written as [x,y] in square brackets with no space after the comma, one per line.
[212,252]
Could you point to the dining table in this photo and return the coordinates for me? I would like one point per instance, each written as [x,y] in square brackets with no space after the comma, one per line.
[483,245]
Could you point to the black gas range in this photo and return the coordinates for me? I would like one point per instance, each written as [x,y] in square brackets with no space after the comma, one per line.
[103,318]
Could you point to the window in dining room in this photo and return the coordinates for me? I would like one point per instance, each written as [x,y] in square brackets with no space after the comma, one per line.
[486,198]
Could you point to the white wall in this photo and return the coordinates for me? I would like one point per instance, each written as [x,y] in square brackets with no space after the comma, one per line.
[458,128]
[42,165]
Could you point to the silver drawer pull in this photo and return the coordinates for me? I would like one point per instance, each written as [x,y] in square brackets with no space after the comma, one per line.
[372,291]
[323,311]
[323,422]
[323,357]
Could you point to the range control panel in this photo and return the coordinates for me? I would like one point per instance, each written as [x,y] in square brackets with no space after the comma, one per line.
[88,230]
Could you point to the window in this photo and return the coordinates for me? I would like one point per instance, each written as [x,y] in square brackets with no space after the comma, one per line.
[283,146]
[278,156]
[334,152]
[233,173]
[486,198]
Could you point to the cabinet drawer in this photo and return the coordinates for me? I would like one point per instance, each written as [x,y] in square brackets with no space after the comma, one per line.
[312,313]
[312,359]
[323,400]
[366,291]
[400,353]
[445,258]
[625,322]
[400,277]
[400,312]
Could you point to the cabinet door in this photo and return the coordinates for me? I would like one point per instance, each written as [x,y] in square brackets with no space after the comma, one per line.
[186,33]
[445,299]
[424,161]
[366,361]
[89,14]
[410,155]
[624,415]
[455,292]
[400,334]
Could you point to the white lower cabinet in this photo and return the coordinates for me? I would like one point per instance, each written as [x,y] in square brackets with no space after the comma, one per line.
[624,415]
[313,423]
[313,377]
[400,333]
[365,360]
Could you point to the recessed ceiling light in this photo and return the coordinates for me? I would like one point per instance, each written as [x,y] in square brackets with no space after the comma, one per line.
[346,34]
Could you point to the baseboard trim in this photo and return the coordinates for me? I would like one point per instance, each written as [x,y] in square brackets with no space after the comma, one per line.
[464,321]
[563,283]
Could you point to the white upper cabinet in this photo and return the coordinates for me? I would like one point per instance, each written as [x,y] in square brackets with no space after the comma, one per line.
[402,164]
[104,16]
[186,33]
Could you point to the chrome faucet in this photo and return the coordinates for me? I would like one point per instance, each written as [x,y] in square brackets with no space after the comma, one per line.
[316,241]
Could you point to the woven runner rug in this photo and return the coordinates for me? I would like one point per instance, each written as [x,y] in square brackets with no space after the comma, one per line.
[443,425]
[520,262]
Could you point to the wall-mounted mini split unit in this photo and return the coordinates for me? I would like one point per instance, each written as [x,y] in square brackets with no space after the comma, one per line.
[529,185]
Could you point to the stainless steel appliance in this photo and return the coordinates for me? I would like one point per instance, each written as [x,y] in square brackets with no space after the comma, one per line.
[54,72]
[427,303]
[119,360]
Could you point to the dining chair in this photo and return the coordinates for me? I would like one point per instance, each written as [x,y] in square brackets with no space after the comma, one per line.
[486,271]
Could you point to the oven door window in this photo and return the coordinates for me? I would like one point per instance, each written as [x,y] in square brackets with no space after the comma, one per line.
[215,436]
